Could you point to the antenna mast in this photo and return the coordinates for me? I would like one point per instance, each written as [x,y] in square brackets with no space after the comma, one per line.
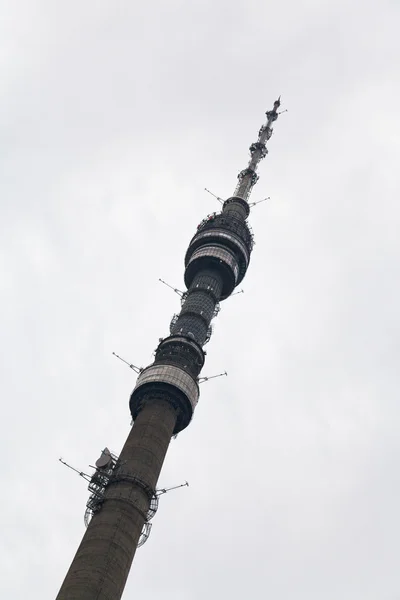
[258,150]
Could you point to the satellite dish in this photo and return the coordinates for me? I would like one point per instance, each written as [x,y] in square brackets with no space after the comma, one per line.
[104,459]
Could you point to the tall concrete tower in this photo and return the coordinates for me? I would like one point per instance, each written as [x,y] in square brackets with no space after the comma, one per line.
[165,396]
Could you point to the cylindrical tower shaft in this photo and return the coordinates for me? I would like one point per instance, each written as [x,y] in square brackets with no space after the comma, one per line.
[101,565]
[166,393]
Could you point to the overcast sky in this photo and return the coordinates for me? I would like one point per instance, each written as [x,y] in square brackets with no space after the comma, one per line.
[114,117]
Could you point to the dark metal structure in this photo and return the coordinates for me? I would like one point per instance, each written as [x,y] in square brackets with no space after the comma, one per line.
[165,396]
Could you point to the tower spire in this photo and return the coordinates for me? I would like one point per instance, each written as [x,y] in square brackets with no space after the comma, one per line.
[258,150]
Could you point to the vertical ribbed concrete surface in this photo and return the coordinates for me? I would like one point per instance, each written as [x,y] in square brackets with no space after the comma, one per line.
[101,565]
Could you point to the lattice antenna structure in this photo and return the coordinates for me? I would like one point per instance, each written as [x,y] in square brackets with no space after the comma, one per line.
[104,470]
[98,483]
[258,150]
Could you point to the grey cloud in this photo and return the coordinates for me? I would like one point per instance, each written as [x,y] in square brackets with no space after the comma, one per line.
[115,117]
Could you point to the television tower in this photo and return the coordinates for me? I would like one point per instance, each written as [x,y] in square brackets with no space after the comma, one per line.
[166,393]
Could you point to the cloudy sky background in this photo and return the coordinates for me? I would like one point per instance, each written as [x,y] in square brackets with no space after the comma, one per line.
[114,117]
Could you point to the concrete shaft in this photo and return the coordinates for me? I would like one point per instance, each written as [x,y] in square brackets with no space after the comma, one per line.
[101,565]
